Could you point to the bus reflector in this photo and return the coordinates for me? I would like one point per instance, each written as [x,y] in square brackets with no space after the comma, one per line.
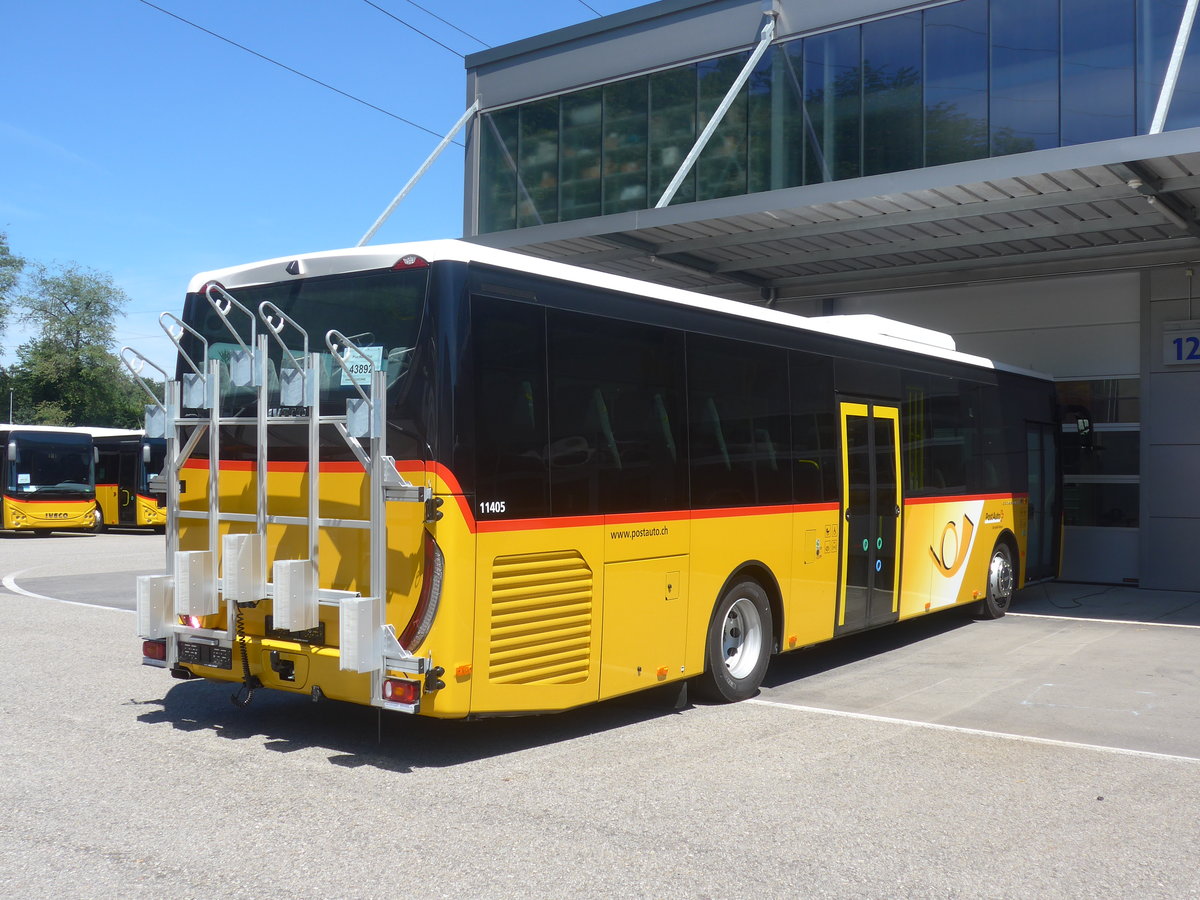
[155,650]
[411,261]
[431,594]
[400,690]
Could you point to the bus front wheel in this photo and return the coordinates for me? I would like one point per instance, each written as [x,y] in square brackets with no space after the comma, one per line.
[738,645]
[999,584]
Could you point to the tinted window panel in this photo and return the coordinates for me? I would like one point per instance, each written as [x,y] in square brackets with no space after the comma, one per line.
[932,430]
[892,94]
[1025,61]
[956,82]
[672,131]
[833,105]
[617,438]
[814,429]
[739,433]
[721,168]
[512,472]
[538,202]
[580,194]
[625,145]
[498,171]
[1097,70]
[777,119]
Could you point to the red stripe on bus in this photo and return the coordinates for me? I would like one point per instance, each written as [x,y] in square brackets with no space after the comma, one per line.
[503,525]
[734,512]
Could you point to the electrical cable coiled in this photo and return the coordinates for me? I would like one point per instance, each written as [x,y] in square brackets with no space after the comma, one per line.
[249,682]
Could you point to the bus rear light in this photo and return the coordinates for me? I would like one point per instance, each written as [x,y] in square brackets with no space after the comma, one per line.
[401,690]
[431,595]
[412,261]
[154,650]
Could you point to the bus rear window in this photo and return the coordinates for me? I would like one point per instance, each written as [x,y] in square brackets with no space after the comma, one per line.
[379,311]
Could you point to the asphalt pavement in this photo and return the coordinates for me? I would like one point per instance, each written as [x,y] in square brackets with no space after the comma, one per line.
[1053,753]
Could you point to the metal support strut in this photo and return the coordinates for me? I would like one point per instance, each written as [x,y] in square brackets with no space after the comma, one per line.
[1171,79]
[445,142]
[765,38]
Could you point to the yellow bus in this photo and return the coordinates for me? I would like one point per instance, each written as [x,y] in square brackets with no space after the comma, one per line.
[450,480]
[125,463]
[48,480]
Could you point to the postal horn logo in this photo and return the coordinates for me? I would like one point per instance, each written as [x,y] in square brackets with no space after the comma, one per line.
[955,547]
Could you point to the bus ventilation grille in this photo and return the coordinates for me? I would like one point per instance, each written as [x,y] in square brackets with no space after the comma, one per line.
[541,619]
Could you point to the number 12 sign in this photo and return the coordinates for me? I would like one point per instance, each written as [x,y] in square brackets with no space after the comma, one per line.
[1181,343]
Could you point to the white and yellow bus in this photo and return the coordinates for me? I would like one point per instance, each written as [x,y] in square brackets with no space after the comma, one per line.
[451,480]
[125,463]
[48,480]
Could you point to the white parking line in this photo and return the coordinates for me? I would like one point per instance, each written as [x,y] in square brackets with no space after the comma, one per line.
[1100,621]
[913,723]
[10,584]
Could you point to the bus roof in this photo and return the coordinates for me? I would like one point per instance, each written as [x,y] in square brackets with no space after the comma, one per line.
[93,431]
[9,427]
[868,328]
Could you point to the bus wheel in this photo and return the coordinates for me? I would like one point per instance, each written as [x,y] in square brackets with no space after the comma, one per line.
[738,645]
[999,584]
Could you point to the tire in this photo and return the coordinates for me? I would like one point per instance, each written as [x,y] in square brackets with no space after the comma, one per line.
[737,647]
[999,584]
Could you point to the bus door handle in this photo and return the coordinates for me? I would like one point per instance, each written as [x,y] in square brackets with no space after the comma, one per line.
[124,498]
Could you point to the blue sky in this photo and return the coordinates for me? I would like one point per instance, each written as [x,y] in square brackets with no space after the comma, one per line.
[137,145]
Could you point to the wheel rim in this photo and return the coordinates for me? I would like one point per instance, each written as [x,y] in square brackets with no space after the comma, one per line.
[1000,579]
[741,638]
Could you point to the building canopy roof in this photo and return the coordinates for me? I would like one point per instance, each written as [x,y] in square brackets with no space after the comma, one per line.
[1098,207]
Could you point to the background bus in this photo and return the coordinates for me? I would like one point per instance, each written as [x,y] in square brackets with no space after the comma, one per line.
[125,463]
[605,485]
[48,480]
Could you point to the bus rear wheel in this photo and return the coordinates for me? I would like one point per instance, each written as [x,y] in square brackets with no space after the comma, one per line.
[738,644]
[999,584]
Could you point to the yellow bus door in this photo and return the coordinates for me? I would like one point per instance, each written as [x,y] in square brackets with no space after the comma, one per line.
[127,489]
[871,513]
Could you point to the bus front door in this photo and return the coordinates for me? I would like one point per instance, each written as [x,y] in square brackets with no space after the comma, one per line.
[127,489]
[871,511]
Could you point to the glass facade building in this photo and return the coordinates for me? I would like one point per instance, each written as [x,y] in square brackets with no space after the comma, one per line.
[950,83]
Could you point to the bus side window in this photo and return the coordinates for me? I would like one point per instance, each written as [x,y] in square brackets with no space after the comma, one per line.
[739,405]
[512,455]
[814,428]
[615,406]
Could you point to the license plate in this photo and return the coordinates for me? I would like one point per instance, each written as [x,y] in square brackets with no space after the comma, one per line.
[205,655]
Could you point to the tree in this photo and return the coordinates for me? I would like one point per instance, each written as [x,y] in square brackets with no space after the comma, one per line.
[66,374]
[10,269]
